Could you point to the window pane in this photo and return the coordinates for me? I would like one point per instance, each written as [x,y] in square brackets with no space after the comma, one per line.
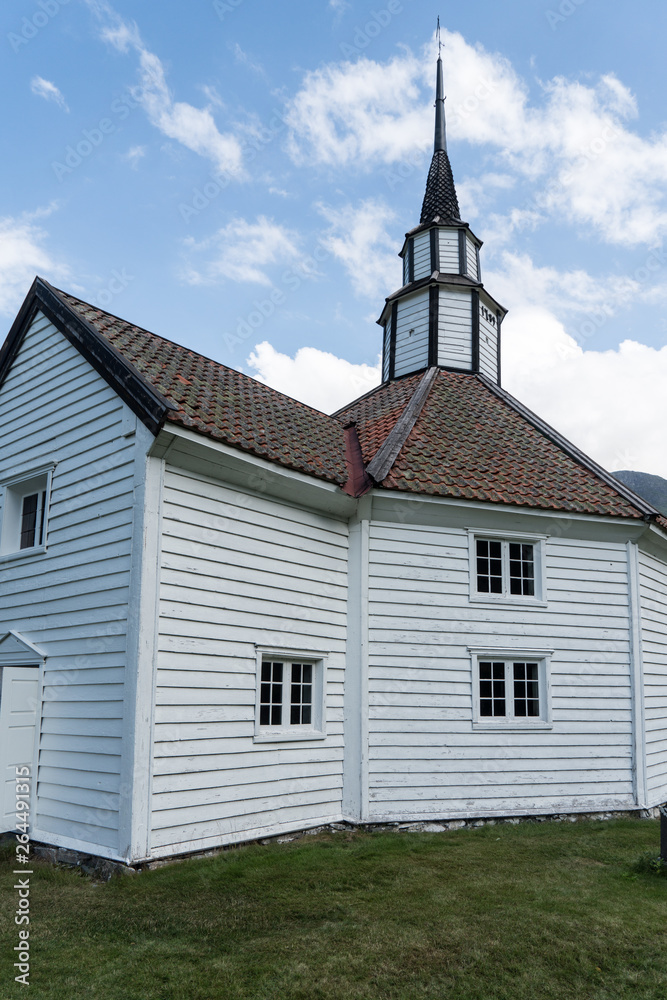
[522,569]
[271,694]
[29,520]
[526,690]
[489,567]
[301,694]
[492,689]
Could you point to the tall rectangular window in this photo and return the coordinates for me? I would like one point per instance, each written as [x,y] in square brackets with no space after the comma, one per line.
[25,510]
[32,520]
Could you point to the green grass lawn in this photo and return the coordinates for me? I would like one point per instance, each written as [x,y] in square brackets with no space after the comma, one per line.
[498,913]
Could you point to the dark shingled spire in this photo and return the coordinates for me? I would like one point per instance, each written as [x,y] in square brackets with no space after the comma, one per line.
[440,199]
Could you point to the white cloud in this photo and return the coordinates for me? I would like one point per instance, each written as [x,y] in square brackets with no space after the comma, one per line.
[571,147]
[611,404]
[315,377]
[241,251]
[22,256]
[194,128]
[134,155]
[518,282]
[360,114]
[358,238]
[49,91]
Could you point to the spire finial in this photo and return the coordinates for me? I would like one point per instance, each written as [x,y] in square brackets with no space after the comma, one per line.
[440,129]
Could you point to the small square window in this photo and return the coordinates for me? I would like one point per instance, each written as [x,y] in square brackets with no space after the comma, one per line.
[25,506]
[510,690]
[290,697]
[505,569]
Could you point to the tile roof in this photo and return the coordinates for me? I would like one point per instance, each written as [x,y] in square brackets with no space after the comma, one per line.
[225,404]
[467,442]
[470,444]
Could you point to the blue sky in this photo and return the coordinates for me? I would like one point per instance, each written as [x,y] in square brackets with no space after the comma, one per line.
[238,175]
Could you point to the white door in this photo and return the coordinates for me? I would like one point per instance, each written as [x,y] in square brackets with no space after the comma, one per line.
[19,692]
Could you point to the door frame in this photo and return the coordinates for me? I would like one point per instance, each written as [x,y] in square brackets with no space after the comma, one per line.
[17,651]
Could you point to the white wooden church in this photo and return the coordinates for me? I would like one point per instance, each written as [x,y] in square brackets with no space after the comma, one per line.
[225,615]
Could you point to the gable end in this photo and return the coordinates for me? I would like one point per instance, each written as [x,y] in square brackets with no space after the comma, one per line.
[150,406]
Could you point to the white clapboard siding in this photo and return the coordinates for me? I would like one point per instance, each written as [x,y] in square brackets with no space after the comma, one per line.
[72,601]
[488,347]
[412,333]
[471,258]
[448,240]
[425,759]
[240,569]
[422,255]
[653,587]
[454,329]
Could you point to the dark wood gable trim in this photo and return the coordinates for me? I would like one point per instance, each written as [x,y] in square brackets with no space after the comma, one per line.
[499,319]
[149,405]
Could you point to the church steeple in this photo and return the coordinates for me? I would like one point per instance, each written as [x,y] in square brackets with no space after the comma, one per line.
[440,201]
[442,316]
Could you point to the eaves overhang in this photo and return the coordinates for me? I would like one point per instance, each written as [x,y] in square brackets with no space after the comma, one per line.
[150,406]
[444,280]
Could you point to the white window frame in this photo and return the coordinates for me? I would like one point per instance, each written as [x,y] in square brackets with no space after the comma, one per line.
[509,657]
[538,599]
[14,490]
[286,732]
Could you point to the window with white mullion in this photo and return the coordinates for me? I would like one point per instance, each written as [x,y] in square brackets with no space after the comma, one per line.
[290,697]
[504,568]
[510,690]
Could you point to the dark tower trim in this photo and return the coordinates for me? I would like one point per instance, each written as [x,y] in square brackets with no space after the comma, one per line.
[499,319]
[433,313]
[463,253]
[435,251]
[411,259]
[474,301]
[392,342]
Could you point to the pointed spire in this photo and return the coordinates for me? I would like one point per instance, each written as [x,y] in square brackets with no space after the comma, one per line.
[440,200]
[440,128]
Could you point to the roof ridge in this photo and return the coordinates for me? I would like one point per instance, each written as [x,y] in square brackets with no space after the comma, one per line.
[182,347]
[379,466]
[570,449]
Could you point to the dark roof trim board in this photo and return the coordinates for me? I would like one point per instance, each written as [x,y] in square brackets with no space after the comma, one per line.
[570,449]
[149,405]
[379,466]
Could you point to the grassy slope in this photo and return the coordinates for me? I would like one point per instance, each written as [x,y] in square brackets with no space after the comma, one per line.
[500,913]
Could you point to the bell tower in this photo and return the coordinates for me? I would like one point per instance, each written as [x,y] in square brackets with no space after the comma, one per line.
[442,315]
